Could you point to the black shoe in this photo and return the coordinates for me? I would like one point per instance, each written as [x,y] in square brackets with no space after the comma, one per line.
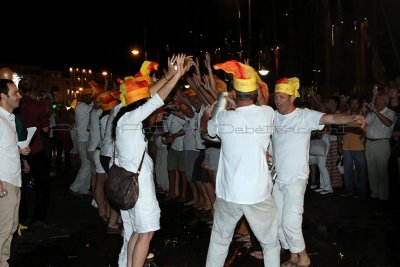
[346,194]
[358,196]
[76,194]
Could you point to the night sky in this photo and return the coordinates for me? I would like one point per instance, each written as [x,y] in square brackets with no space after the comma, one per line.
[101,36]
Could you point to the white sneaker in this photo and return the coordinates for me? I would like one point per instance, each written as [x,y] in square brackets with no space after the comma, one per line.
[94,204]
[318,190]
[324,192]
[313,186]
[150,256]
[247,244]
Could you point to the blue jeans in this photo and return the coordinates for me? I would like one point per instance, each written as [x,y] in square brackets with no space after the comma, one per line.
[358,157]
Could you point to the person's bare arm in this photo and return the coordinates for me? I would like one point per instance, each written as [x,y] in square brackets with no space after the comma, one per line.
[26,166]
[166,77]
[207,63]
[338,118]
[386,121]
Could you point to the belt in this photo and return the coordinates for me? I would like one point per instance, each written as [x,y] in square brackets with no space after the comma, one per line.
[372,140]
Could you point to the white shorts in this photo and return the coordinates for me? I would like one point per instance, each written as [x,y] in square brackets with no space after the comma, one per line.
[97,163]
[144,217]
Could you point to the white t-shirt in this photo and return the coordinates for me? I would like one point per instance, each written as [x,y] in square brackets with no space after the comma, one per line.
[192,139]
[94,129]
[130,141]
[291,143]
[107,146]
[242,175]
[10,162]
[174,125]
[376,129]
[82,111]
[103,127]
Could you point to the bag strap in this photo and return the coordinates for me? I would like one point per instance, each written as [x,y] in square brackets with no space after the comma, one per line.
[141,162]
[113,158]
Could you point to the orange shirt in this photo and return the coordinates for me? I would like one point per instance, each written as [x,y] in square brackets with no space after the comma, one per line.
[353,138]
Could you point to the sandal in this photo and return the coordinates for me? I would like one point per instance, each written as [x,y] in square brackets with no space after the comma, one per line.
[104,219]
[289,263]
[258,255]
[237,235]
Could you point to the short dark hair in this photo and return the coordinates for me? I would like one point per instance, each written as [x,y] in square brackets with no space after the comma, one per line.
[241,96]
[354,97]
[336,99]
[4,85]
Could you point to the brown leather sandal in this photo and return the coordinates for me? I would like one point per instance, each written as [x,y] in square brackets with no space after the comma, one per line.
[289,263]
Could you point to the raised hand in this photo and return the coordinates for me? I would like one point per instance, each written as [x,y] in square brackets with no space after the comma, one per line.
[189,62]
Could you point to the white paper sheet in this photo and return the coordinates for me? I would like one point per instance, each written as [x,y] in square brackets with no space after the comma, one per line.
[31,132]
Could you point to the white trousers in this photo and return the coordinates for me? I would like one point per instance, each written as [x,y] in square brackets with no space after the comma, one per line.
[377,154]
[128,229]
[289,199]
[262,220]
[324,178]
[81,183]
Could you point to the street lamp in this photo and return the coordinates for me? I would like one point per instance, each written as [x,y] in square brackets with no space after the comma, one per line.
[104,73]
[135,52]
[263,71]
[316,72]
[261,68]
[276,54]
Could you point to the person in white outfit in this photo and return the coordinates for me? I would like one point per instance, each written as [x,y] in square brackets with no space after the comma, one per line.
[319,159]
[139,102]
[160,164]
[93,152]
[110,109]
[243,183]
[81,183]
[291,143]
[381,121]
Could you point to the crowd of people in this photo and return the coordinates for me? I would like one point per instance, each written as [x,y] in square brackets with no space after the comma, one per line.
[214,156]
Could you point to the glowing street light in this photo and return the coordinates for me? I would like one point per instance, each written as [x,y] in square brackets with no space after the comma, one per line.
[263,71]
[135,52]
[105,73]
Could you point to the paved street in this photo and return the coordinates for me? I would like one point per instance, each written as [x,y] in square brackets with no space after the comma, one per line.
[339,231]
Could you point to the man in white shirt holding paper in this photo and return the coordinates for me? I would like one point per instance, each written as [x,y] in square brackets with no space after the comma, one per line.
[10,167]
